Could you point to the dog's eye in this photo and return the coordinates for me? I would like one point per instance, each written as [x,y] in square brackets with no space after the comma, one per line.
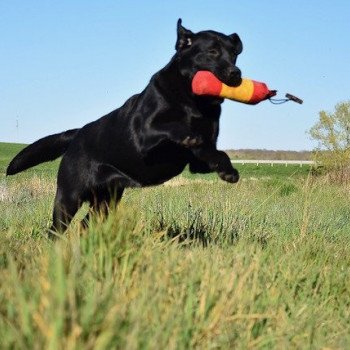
[214,52]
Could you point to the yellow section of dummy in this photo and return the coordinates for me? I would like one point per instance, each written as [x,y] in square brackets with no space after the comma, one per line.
[242,93]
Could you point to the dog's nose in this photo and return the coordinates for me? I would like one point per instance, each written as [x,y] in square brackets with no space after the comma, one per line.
[234,73]
[234,76]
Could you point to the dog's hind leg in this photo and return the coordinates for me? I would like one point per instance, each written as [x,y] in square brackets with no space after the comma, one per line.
[109,184]
[101,202]
[65,207]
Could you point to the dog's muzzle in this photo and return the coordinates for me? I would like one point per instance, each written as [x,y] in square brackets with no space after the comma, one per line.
[234,76]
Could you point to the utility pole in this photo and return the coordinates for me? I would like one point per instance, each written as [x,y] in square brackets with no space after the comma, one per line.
[17,129]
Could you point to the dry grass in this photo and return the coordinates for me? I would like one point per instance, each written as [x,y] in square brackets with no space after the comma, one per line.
[33,187]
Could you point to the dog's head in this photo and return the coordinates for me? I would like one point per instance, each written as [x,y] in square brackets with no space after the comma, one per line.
[208,50]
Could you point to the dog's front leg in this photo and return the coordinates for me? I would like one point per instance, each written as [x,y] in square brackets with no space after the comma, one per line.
[198,166]
[217,161]
[173,131]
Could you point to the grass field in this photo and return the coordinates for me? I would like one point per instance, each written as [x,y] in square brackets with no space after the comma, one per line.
[194,263]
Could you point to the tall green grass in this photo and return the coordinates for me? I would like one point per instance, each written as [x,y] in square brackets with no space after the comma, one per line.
[195,263]
[192,264]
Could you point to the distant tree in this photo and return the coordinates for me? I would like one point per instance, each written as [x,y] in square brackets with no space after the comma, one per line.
[332,132]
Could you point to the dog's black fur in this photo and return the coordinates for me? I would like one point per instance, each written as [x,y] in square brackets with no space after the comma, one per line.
[148,140]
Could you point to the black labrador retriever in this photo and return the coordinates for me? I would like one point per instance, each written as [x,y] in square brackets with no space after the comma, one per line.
[148,140]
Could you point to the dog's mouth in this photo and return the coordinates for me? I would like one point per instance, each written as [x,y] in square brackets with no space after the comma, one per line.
[231,77]
[233,82]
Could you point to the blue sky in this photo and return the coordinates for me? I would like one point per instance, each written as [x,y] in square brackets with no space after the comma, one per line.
[66,63]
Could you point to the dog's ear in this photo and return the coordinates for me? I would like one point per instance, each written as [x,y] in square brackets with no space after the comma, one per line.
[184,36]
[237,43]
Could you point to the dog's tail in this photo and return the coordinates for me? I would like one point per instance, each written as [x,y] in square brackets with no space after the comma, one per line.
[46,149]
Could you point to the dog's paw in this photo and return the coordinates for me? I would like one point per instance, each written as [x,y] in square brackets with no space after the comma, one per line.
[192,141]
[229,177]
